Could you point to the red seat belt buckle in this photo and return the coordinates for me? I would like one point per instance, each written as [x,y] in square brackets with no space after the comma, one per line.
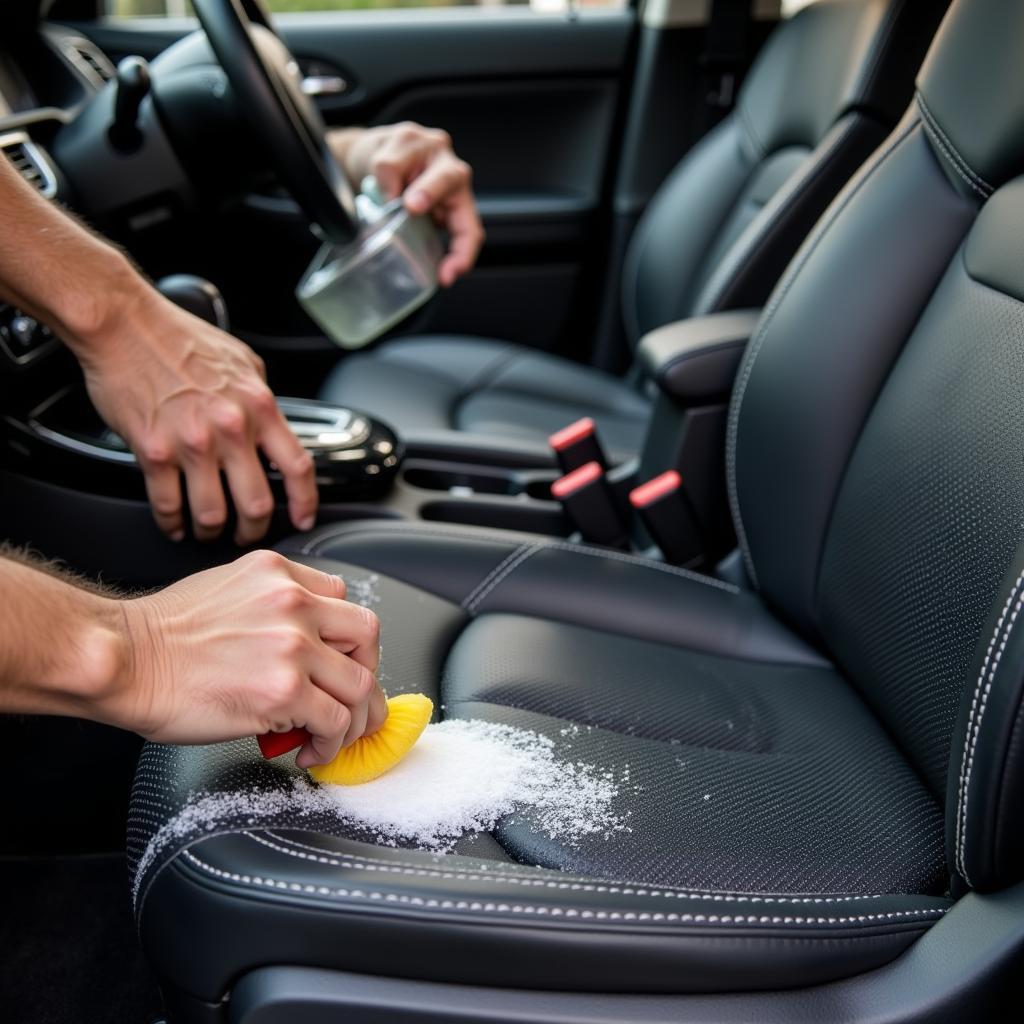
[576,445]
[662,505]
[588,502]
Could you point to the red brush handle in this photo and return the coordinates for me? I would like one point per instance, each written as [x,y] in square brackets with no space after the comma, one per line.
[274,744]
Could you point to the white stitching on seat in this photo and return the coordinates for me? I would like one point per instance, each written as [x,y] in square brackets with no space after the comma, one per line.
[470,597]
[485,585]
[479,906]
[507,571]
[952,154]
[335,858]
[805,252]
[316,547]
[986,676]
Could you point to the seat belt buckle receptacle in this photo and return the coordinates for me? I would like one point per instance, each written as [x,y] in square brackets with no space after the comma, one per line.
[590,506]
[576,445]
[662,505]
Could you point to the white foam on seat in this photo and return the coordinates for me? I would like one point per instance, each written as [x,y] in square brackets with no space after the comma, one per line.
[463,776]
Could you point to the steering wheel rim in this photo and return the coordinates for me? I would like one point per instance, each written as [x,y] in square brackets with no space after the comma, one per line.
[266,81]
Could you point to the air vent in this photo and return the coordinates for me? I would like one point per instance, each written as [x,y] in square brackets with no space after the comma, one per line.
[29,162]
[90,61]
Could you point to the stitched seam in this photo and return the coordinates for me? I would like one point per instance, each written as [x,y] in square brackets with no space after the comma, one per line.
[502,576]
[471,596]
[960,165]
[317,546]
[782,290]
[768,230]
[334,858]
[993,656]
[489,373]
[757,146]
[479,906]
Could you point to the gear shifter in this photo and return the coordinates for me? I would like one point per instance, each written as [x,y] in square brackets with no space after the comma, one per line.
[198,296]
[133,83]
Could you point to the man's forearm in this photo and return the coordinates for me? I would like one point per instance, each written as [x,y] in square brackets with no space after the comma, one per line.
[56,270]
[63,648]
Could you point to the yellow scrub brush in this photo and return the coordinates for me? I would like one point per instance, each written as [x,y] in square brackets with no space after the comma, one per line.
[369,756]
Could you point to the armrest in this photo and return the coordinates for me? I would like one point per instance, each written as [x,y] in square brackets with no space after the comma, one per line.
[695,360]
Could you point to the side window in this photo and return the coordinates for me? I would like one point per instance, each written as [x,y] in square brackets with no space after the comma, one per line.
[183,8]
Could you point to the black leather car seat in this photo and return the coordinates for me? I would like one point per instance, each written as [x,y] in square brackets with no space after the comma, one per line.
[825,91]
[831,761]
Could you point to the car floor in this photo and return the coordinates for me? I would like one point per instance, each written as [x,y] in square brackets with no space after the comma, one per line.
[68,948]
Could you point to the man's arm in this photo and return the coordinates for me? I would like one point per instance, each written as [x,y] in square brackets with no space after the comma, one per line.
[187,397]
[260,645]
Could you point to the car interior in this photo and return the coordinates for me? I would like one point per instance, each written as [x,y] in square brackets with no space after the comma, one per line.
[713,461]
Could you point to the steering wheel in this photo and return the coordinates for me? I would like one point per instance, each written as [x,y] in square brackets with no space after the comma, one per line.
[267,83]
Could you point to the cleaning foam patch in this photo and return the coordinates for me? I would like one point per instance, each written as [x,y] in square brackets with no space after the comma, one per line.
[462,776]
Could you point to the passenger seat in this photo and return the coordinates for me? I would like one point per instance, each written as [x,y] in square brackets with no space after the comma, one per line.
[825,91]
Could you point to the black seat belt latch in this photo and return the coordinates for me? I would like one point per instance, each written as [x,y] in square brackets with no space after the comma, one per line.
[588,502]
[576,445]
[663,506]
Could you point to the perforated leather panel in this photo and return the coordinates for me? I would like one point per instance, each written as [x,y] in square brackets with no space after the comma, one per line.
[736,775]
[929,515]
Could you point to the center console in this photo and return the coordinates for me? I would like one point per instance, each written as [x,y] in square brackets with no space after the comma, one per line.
[72,488]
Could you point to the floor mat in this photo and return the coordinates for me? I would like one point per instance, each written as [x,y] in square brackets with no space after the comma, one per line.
[68,949]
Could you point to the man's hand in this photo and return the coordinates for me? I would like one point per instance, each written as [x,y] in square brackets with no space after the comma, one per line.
[190,399]
[260,645]
[419,164]
[184,395]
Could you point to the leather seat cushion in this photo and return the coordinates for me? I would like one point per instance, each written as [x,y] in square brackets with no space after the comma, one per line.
[438,383]
[768,810]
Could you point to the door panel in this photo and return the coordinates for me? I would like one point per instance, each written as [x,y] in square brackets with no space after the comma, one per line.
[532,101]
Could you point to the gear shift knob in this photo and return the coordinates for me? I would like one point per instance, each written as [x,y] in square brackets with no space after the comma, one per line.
[133,83]
[198,296]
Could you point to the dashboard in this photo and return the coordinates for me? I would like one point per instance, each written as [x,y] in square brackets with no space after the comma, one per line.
[16,96]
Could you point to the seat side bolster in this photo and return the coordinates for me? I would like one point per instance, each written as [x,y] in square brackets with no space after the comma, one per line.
[985,834]
[454,919]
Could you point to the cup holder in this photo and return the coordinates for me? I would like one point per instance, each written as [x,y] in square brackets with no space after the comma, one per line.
[465,481]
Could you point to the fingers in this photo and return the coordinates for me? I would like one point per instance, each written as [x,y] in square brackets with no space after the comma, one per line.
[323,584]
[163,488]
[206,499]
[296,467]
[254,503]
[445,187]
[444,176]
[465,241]
[348,683]
[327,721]
[377,711]
[351,629]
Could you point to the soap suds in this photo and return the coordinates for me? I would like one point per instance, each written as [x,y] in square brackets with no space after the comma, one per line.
[461,777]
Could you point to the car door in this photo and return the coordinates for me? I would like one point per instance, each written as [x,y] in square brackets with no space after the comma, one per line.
[532,99]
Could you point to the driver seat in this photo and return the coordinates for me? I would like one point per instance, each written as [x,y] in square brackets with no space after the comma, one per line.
[827,766]
[826,89]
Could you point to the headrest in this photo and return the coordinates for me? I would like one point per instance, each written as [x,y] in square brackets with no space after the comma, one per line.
[971,93]
[832,57]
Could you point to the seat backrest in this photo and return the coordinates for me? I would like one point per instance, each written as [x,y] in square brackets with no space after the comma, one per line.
[825,90]
[875,453]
